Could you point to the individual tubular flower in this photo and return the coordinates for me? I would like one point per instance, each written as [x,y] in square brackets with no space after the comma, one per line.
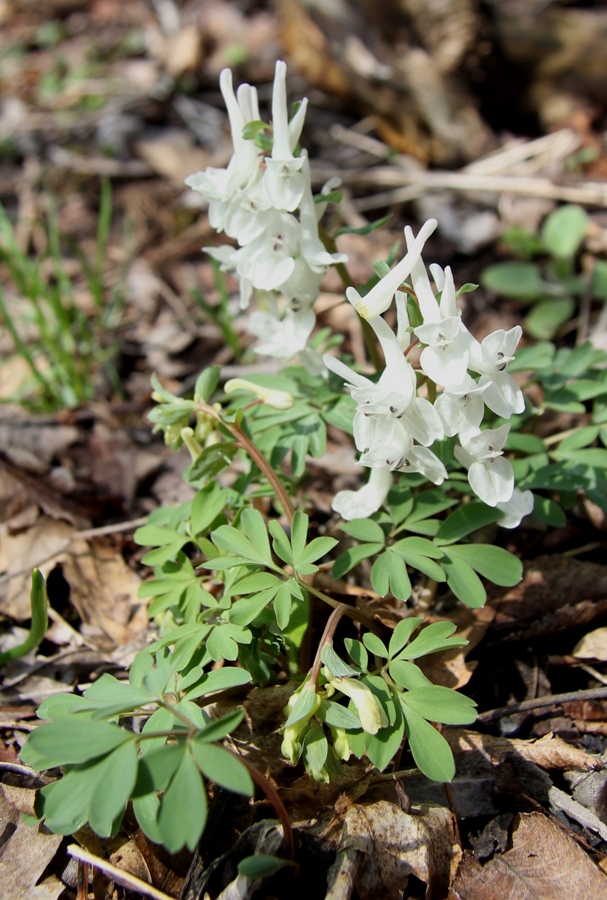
[503,395]
[520,505]
[282,338]
[276,399]
[461,407]
[370,711]
[391,446]
[490,474]
[366,500]
[283,180]
[380,296]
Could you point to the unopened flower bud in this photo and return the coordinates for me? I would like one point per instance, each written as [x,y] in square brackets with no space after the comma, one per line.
[370,712]
[277,399]
[188,438]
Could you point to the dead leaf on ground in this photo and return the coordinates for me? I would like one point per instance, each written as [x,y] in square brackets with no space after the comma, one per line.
[592,646]
[102,587]
[555,593]
[396,844]
[27,853]
[543,863]
[549,752]
[450,668]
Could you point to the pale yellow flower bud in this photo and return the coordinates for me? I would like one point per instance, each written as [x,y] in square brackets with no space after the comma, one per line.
[370,712]
[277,399]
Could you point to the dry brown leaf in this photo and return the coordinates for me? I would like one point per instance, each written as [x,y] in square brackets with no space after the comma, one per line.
[173,154]
[549,752]
[450,668]
[398,844]
[102,587]
[592,646]
[543,864]
[26,855]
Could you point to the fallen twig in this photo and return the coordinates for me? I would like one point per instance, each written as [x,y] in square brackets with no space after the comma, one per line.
[120,876]
[538,702]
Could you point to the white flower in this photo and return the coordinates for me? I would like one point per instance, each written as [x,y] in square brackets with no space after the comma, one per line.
[366,500]
[313,250]
[283,338]
[283,179]
[268,261]
[503,396]
[461,406]
[520,505]
[445,358]
[380,296]
[391,446]
[490,475]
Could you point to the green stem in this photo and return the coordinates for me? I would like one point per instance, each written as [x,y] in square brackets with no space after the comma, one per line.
[346,279]
[257,456]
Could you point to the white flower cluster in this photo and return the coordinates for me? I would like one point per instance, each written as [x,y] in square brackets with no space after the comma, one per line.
[266,204]
[394,428]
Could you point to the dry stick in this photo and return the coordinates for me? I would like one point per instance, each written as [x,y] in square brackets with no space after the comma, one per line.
[550,700]
[120,876]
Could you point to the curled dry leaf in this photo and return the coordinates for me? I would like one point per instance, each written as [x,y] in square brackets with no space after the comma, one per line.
[549,752]
[592,646]
[396,844]
[542,864]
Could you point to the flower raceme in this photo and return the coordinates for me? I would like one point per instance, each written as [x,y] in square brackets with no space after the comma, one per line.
[394,428]
[265,203]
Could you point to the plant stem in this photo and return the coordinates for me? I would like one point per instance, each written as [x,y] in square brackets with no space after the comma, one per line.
[346,279]
[351,611]
[257,456]
[274,799]
[327,637]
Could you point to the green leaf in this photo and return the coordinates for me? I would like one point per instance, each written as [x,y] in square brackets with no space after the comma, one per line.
[563,231]
[519,280]
[408,675]
[525,443]
[243,612]
[146,812]
[433,638]
[546,510]
[375,645]
[260,866]
[548,316]
[206,506]
[364,530]
[226,537]
[401,634]
[420,553]
[315,748]
[299,533]
[222,767]
[357,653]
[364,229]
[463,581]
[494,563]
[157,766]
[183,808]
[222,642]
[252,129]
[594,456]
[304,705]
[108,696]
[114,790]
[71,740]
[441,704]
[60,705]
[281,543]
[338,716]
[316,549]
[282,606]
[465,520]
[353,556]
[207,382]
[335,664]
[220,728]
[428,503]
[431,752]
[533,358]
[389,575]
[219,680]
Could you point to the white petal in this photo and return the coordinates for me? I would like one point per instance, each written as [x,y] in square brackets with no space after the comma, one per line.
[493,482]
[520,505]
[503,395]
[363,503]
